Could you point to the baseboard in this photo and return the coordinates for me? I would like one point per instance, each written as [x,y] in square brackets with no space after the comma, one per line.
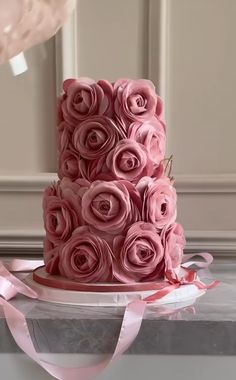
[219,243]
[13,242]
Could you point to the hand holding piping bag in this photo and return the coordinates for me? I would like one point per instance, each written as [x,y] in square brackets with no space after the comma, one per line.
[25,23]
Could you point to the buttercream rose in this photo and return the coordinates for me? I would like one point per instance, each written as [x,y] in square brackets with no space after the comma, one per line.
[84,97]
[69,165]
[95,137]
[62,210]
[174,243]
[129,160]
[152,135]
[159,201]
[86,257]
[139,256]
[110,206]
[135,100]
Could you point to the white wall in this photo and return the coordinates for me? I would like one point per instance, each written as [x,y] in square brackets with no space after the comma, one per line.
[27,147]
[27,109]
[112,38]
[201,85]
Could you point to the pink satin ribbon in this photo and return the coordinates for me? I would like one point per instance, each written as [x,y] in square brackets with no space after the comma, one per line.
[129,330]
[208,259]
[132,320]
[189,278]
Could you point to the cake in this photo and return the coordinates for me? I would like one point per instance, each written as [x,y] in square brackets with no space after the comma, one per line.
[111,216]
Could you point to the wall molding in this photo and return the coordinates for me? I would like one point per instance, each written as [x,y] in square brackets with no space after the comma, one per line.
[66,51]
[206,183]
[33,183]
[30,241]
[197,184]
[158,32]
[21,242]
[220,243]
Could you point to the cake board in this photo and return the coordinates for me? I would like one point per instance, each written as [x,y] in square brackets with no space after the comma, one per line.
[60,290]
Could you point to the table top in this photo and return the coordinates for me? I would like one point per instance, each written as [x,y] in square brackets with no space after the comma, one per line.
[203,326]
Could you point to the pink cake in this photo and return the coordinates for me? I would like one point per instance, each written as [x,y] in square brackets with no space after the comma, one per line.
[111,218]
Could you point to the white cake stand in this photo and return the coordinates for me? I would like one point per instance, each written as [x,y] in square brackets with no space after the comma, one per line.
[49,288]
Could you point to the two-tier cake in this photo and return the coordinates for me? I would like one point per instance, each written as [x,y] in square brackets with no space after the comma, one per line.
[111,217]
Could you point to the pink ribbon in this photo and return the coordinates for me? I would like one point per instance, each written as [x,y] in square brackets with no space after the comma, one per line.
[11,285]
[208,259]
[175,283]
[129,330]
[132,320]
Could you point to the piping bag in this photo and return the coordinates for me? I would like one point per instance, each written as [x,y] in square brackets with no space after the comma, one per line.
[25,23]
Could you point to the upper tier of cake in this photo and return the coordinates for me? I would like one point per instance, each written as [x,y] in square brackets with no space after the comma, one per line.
[110,131]
[111,216]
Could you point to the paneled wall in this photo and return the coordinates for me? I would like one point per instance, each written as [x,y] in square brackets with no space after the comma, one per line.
[112,38]
[193,62]
[187,48]
[27,109]
[27,147]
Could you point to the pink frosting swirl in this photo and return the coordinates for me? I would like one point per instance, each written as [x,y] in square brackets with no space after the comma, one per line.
[110,206]
[62,209]
[135,100]
[84,97]
[95,136]
[129,160]
[159,201]
[174,243]
[86,257]
[139,256]
[152,135]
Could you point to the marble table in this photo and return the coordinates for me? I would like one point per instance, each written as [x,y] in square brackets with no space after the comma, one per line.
[206,326]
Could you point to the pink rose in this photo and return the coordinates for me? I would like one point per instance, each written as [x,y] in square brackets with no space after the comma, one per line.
[51,257]
[160,115]
[84,97]
[62,210]
[174,243]
[152,135]
[53,190]
[69,165]
[139,256]
[159,201]
[64,137]
[129,160]
[159,170]
[135,100]
[86,258]
[110,206]
[93,170]
[95,137]
[59,115]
